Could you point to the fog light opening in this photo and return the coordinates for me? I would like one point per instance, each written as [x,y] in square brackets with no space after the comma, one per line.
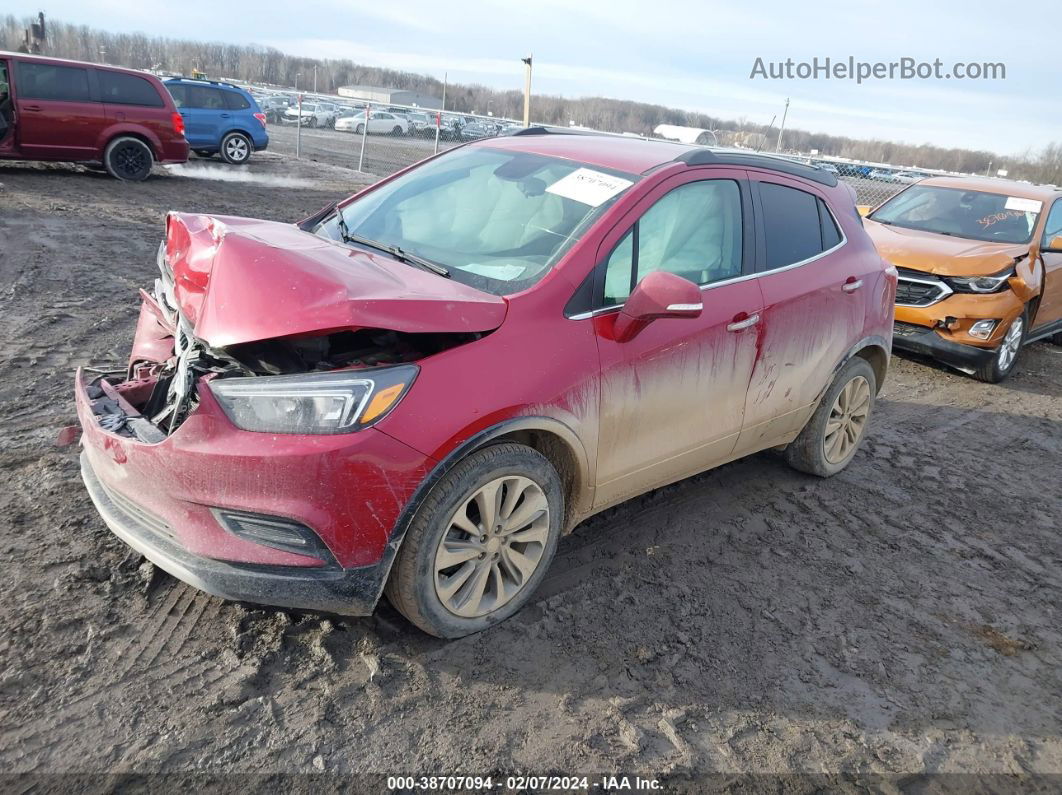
[983,329]
[276,532]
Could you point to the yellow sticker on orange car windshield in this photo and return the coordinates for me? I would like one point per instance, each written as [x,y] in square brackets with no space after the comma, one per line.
[587,186]
[1023,205]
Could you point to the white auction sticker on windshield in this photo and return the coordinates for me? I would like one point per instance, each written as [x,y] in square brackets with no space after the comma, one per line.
[1023,205]
[587,186]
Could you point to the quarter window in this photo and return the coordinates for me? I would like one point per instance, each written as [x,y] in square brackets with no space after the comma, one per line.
[51,81]
[797,225]
[695,231]
[122,89]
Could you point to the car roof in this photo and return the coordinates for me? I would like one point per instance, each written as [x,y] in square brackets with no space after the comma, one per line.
[1009,187]
[199,81]
[72,62]
[639,155]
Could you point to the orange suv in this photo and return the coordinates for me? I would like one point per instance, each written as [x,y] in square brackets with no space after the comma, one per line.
[980,269]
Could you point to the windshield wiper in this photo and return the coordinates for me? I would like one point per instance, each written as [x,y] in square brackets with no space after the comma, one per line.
[397,252]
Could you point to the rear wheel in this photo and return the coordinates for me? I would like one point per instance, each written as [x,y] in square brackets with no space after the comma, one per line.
[359,129]
[833,434]
[236,148]
[396,130]
[480,543]
[128,159]
[1002,364]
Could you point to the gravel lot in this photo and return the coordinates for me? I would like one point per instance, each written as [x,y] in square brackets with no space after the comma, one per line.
[902,618]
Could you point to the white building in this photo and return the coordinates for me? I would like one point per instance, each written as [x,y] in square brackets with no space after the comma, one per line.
[686,135]
[390,96]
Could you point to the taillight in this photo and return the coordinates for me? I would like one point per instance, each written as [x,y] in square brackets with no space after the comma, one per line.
[178,123]
[261,117]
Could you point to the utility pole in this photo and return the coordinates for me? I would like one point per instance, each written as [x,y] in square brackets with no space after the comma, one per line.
[527,90]
[315,78]
[781,128]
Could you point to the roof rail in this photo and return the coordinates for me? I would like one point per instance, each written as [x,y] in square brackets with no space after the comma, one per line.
[715,157]
[205,80]
[540,129]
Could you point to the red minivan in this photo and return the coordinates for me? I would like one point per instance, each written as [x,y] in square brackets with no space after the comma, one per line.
[118,119]
[420,388]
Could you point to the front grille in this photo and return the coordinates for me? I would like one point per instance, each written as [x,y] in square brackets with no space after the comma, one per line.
[134,513]
[919,289]
[900,329]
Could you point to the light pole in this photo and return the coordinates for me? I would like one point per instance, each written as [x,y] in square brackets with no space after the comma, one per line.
[527,90]
[297,76]
[315,78]
[781,128]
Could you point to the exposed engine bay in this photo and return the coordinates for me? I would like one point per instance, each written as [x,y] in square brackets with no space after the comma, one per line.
[156,396]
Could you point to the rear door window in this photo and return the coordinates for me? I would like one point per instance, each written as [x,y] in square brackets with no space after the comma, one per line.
[234,101]
[797,225]
[202,97]
[117,88]
[52,81]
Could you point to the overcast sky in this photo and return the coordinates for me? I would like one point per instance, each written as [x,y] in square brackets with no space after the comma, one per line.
[682,53]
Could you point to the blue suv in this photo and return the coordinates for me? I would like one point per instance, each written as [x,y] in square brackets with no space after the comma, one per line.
[219,118]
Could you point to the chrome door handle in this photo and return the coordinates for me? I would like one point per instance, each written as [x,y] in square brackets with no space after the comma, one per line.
[739,325]
[851,287]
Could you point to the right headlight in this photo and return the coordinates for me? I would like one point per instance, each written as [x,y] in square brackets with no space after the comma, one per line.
[317,403]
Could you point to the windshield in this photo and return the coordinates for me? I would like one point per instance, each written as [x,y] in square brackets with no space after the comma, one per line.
[973,214]
[498,220]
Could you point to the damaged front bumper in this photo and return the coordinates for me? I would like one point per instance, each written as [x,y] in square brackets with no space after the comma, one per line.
[927,342]
[162,498]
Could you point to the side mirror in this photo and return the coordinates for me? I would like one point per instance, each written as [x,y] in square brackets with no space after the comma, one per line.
[659,294]
[1055,244]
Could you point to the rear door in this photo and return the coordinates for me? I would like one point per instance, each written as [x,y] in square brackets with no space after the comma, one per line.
[203,110]
[128,97]
[813,298]
[673,397]
[59,117]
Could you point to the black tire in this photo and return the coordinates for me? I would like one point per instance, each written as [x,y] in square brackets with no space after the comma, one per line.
[313,121]
[128,159]
[236,149]
[1055,338]
[411,587]
[359,130]
[203,153]
[396,130]
[996,369]
[808,452]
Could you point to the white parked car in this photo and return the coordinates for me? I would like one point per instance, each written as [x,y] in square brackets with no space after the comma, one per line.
[313,114]
[380,123]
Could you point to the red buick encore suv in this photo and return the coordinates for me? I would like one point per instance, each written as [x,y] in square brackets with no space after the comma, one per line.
[118,120]
[417,390]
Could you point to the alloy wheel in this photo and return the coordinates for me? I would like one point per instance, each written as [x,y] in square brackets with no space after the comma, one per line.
[130,160]
[1008,349]
[236,149]
[493,544]
[848,419]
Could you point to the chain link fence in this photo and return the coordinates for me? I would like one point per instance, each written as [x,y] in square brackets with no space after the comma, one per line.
[381,139]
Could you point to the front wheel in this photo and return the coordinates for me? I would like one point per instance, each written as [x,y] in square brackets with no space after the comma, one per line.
[480,543]
[236,149]
[1002,364]
[360,129]
[127,158]
[833,434]
[396,130]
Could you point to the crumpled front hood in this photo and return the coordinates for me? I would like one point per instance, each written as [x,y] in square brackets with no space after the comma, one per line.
[241,280]
[942,255]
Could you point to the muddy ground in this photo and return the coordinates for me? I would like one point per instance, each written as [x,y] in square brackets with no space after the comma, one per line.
[904,617]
